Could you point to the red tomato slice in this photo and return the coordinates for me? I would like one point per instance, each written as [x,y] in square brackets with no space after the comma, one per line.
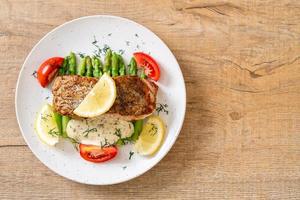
[97,154]
[48,69]
[150,65]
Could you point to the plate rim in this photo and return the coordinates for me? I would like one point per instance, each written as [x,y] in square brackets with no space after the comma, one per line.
[125,179]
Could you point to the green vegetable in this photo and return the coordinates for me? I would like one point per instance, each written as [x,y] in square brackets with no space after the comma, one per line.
[138,127]
[64,67]
[71,69]
[120,142]
[65,120]
[72,63]
[114,65]
[143,75]
[122,68]
[97,65]
[132,67]
[82,67]
[107,62]
[89,67]
[58,121]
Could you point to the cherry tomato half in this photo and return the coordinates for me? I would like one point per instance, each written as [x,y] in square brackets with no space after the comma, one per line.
[48,69]
[149,64]
[97,154]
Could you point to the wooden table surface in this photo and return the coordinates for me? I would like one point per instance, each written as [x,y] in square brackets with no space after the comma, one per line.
[241,64]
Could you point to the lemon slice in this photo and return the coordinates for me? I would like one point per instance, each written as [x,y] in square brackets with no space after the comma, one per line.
[99,100]
[46,127]
[151,136]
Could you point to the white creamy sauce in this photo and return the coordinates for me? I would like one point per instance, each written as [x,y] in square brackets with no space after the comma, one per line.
[103,130]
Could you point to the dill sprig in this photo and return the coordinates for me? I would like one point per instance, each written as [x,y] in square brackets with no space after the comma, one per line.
[88,131]
[80,54]
[118,133]
[130,154]
[153,130]
[95,40]
[121,51]
[106,144]
[45,118]
[52,132]
[34,74]
[105,48]
[162,108]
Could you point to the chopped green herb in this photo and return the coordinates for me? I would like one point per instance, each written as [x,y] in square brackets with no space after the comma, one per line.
[118,132]
[88,130]
[130,154]
[121,51]
[162,108]
[34,74]
[44,118]
[74,142]
[81,55]
[97,52]
[53,133]
[123,141]
[106,144]
[105,48]
[153,130]
[76,146]
[95,40]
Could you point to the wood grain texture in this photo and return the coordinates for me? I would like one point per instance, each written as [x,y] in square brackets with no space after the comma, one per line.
[241,63]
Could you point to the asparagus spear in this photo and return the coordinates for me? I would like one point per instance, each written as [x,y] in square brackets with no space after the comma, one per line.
[82,67]
[72,71]
[58,120]
[89,67]
[72,63]
[97,65]
[63,68]
[107,62]
[138,126]
[132,67]
[122,69]
[114,65]
[57,117]
[64,121]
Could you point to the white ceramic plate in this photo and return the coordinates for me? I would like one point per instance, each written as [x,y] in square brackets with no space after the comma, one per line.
[79,36]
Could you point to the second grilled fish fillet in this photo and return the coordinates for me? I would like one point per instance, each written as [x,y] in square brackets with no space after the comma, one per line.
[136,97]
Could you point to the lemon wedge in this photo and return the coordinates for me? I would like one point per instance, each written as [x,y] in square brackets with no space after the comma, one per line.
[46,127]
[151,136]
[99,100]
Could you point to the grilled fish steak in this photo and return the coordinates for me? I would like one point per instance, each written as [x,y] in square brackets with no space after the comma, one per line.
[136,97]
